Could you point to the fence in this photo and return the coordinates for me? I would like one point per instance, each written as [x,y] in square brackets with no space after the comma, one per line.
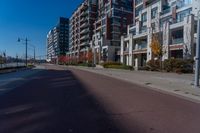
[14,64]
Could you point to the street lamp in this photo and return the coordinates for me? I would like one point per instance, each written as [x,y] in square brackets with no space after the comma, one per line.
[197,61]
[26,43]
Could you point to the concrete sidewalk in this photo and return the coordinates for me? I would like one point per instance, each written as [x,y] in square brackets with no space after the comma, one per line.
[9,81]
[180,85]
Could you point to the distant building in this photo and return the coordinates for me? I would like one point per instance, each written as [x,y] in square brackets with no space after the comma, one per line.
[81,28]
[113,18]
[99,24]
[58,40]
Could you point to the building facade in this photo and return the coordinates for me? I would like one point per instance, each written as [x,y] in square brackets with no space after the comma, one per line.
[81,28]
[58,40]
[111,23]
[174,23]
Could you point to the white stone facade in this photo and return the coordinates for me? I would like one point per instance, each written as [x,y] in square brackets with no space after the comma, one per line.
[173,21]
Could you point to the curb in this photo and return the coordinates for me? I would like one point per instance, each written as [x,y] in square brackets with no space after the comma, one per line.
[154,88]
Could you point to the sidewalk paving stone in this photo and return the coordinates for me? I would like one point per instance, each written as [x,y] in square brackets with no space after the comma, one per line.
[180,85]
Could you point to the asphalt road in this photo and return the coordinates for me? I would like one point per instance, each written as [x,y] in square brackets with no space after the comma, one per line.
[61,100]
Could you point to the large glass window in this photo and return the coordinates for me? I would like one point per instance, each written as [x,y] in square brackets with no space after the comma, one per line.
[154,12]
[138,2]
[144,17]
[182,3]
[138,10]
[183,14]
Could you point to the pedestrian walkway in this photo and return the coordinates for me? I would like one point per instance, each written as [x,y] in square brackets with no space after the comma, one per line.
[8,81]
[180,85]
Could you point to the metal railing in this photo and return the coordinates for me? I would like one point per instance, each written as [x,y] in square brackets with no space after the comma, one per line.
[177,41]
[166,11]
[126,49]
[14,64]
[140,46]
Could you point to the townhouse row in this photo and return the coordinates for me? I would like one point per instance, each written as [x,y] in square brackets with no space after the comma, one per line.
[174,22]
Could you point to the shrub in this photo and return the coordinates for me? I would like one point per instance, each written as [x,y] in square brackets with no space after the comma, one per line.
[120,67]
[85,64]
[178,65]
[153,65]
[107,64]
[31,66]
[116,65]
[144,68]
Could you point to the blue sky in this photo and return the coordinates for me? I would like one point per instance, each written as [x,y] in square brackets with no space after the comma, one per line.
[32,19]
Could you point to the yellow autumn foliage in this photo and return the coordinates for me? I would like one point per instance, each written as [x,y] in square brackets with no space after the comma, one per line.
[155,46]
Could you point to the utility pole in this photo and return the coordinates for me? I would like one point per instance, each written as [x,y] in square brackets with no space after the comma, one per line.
[197,61]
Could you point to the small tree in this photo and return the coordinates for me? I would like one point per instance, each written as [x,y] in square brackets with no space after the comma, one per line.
[90,56]
[62,59]
[156,46]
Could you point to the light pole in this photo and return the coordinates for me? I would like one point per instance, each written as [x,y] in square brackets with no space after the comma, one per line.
[197,61]
[26,43]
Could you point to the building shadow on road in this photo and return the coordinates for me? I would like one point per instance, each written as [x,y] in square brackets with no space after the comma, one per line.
[54,101]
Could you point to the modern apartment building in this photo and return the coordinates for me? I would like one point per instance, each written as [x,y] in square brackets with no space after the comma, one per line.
[173,21]
[81,28]
[111,23]
[58,40]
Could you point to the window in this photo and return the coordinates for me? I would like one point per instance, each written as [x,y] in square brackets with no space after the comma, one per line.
[183,14]
[138,2]
[154,12]
[138,10]
[144,17]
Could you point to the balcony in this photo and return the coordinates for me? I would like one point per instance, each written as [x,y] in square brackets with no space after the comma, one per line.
[126,49]
[83,14]
[165,11]
[138,2]
[85,43]
[84,31]
[143,30]
[84,25]
[83,20]
[140,46]
[177,41]
[183,4]
[85,37]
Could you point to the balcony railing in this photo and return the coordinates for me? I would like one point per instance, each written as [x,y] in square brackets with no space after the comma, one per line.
[177,41]
[126,49]
[140,46]
[84,31]
[84,37]
[143,30]
[183,4]
[166,11]
[137,2]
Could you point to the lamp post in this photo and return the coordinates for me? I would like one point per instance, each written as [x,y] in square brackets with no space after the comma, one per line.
[26,43]
[197,61]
